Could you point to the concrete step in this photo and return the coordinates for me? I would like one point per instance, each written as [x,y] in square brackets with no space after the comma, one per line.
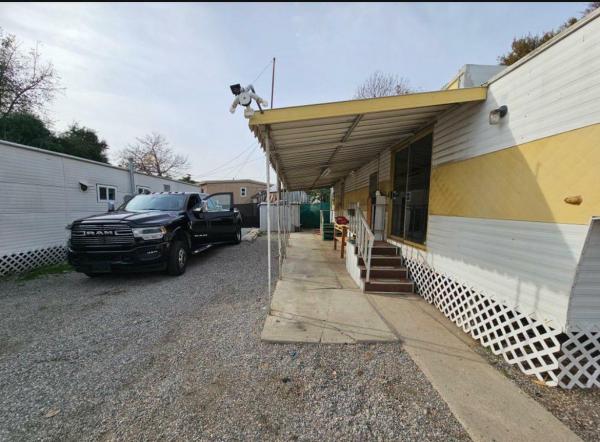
[389,286]
[384,272]
[383,260]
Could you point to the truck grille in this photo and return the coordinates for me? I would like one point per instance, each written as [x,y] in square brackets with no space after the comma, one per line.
[101,235]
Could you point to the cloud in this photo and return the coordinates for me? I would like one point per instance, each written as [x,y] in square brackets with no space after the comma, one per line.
[131,68]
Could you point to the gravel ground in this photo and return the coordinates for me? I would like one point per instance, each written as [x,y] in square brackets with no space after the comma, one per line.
[578,409]
[153,357]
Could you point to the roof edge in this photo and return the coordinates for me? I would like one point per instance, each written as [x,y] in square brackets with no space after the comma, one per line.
[248,180]
[367,105]
[85,160]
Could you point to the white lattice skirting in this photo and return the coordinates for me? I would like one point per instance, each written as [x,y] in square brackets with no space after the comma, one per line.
[19,262]
[558,359]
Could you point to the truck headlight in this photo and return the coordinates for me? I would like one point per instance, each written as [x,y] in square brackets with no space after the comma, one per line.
[147,233]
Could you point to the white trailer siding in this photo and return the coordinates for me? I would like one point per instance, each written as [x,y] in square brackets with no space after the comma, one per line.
[554,92]
[360,179]
[527,266]
[41,195]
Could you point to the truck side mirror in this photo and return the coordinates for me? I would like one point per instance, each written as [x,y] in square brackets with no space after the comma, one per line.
[111,206]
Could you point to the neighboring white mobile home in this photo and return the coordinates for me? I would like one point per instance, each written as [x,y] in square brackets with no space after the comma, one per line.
[43,191]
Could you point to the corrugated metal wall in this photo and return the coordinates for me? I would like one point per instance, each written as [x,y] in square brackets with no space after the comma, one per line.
[41,194]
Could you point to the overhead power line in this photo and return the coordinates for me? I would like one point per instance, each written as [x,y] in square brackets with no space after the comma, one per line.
[243,164]
[226,170]
[245,150]
[262,72]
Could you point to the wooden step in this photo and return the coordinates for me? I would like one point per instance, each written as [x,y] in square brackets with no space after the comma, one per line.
[382,260]
[388,250]
[389,285]
[384,272]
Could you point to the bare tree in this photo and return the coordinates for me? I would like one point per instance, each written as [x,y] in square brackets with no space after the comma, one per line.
[26,84]
[382,85]
[152,154]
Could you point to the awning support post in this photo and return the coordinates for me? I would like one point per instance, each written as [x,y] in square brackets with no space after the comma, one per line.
[280,258]
[268,156]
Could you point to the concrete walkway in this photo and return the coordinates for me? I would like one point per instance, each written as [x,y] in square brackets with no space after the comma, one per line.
[317,301]
[486,403]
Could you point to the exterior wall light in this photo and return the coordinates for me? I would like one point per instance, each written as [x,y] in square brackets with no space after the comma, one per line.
[497,114]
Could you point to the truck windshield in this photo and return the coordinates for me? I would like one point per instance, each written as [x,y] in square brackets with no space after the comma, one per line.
[166,202]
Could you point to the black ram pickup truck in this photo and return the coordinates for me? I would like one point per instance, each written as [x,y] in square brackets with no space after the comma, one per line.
[157,231]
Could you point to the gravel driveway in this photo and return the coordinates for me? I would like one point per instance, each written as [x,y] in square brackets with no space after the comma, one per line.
[154,357]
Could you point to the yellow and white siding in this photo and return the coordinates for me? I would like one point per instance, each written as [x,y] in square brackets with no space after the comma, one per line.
[511,204]
[498,216]
[356,185]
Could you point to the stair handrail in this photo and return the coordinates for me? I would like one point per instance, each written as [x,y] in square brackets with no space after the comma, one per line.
[364,238]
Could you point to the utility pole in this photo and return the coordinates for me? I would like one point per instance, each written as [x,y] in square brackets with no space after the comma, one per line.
[272,82]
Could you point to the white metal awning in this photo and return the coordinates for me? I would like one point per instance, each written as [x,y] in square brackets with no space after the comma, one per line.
[314,146]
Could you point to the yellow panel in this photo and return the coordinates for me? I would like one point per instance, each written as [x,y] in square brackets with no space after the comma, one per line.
[454,84]
[370,105]
[385,186]
[361,195]
[528,182]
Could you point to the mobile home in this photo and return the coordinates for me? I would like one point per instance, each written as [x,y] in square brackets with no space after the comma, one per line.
[490,188]
[44,191]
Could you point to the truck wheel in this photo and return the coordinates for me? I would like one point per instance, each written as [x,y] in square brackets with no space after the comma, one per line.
[237,235]
[178,256]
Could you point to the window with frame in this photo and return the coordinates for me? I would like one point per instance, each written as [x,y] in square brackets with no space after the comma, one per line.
[219,202]
[143,190]
[106,193]
[243,191]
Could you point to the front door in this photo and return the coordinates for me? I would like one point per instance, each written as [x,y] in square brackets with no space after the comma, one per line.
[197,221]
[219,216]
[412,170]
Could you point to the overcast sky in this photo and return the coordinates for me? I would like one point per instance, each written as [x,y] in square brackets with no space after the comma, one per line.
[131,69]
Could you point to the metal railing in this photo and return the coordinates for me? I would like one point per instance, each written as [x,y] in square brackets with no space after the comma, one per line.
[363,237]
